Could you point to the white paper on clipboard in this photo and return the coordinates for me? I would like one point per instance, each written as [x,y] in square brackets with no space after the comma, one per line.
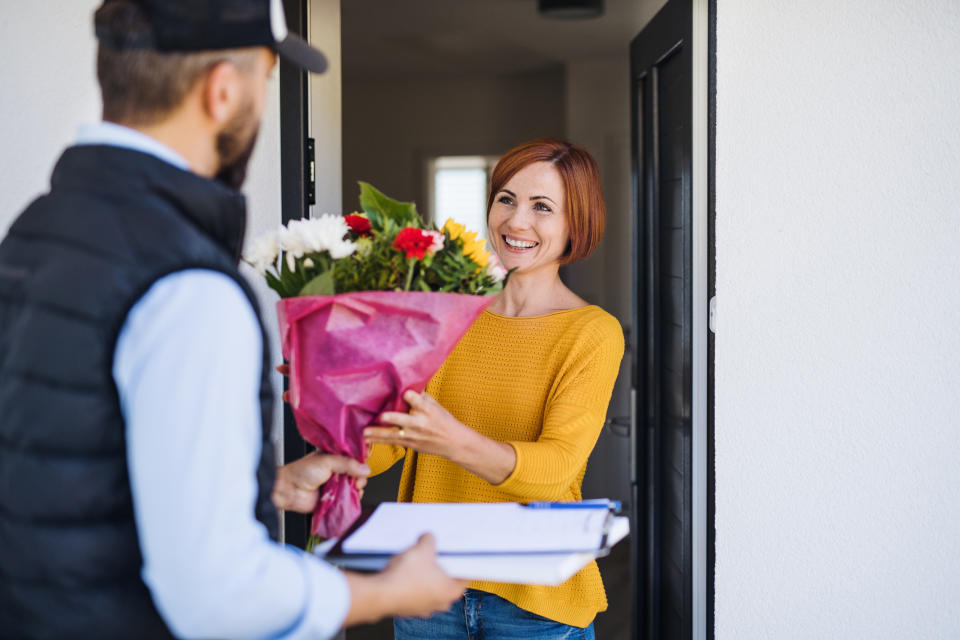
[534,568]
[480,528]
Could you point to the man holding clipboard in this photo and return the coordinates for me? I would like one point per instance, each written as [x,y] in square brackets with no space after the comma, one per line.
[135,460]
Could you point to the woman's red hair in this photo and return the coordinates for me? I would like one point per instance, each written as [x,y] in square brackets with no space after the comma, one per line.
[583,197]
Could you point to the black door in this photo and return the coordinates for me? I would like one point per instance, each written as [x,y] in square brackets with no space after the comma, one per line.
[662,118]
[295,204]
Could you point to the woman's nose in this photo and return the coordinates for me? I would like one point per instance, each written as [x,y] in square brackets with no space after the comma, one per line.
[521,219]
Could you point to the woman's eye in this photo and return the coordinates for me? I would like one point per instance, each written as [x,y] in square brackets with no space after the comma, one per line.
[505,200]
[539,206]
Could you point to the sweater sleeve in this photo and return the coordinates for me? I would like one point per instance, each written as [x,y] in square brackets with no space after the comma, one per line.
[573,418]
[384,456]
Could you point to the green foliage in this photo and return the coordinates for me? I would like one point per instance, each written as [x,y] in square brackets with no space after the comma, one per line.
[322,285]
[381,209]
[380,268]
[454,272]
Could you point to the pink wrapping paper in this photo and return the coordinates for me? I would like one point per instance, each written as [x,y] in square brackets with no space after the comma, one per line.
[352,356]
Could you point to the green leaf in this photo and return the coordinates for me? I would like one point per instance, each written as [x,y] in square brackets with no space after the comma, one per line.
[381,207]
[274,283]
[322,285]
[503,283]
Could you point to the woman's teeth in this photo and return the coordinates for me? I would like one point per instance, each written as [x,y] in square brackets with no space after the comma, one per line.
[519,244]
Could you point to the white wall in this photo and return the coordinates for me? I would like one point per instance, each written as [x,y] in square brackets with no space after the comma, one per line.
[49,87]
[325,106]
[838,345]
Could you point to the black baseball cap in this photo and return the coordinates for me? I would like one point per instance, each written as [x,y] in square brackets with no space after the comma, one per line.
[204,25]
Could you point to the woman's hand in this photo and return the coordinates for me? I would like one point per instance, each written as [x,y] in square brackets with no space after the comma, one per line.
[428,428]
[297,484]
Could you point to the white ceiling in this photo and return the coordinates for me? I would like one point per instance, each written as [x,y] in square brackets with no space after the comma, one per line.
[464,37]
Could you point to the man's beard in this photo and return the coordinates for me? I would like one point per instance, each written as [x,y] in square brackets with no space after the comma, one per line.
[235,146]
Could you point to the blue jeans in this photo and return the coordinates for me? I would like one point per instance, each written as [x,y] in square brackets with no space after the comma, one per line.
[479,615]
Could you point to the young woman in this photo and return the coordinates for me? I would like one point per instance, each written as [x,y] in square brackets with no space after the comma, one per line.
[516,409]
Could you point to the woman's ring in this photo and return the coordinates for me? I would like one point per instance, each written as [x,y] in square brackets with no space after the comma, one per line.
[400,432]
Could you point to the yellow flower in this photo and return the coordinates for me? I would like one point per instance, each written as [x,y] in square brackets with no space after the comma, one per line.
[475,249]
[472,247]
[453,229]
[481,258]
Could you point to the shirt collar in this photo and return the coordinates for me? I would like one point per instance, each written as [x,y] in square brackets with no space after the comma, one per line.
[115,135]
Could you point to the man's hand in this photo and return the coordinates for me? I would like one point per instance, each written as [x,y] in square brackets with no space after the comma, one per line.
[426,588]
[297,483]
[284,370]
[413,584]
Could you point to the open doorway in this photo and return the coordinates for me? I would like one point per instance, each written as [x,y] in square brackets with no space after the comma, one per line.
[428,92]
[431,83]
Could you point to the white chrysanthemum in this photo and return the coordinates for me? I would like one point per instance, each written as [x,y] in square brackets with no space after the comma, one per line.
[316,235]
[293,240]
[325,232]
[342,249]
[263,251]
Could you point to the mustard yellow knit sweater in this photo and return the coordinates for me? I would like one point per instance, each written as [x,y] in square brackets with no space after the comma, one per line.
[541,384]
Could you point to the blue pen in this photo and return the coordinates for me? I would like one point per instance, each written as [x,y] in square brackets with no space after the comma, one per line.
[586,504]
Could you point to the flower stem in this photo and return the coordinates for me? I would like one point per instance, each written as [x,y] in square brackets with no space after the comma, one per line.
[411,262]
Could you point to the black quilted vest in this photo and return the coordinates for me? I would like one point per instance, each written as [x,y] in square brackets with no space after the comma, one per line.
[72,266]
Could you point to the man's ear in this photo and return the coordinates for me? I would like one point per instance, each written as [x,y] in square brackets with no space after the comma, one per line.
[220,92]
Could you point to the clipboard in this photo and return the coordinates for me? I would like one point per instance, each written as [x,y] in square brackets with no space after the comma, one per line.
[524,565]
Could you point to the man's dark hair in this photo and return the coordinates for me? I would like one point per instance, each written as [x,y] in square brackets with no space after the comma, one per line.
[139,85]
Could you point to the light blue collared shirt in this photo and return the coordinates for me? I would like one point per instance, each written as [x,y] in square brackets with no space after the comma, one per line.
[116,135]
[187,366]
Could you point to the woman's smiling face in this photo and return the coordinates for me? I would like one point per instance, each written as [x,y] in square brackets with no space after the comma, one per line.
[527,223]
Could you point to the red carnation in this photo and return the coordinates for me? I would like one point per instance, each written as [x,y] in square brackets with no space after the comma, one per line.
[415,242]
[360,225]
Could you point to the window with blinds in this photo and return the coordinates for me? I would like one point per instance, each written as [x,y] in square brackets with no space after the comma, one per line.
[458,190]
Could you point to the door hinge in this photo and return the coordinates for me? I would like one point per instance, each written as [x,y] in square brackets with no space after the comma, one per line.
[310,171]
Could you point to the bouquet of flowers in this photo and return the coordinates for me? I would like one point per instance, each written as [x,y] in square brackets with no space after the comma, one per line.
[371,305]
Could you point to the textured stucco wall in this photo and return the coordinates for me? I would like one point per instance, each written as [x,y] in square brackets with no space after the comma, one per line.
[838,345]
